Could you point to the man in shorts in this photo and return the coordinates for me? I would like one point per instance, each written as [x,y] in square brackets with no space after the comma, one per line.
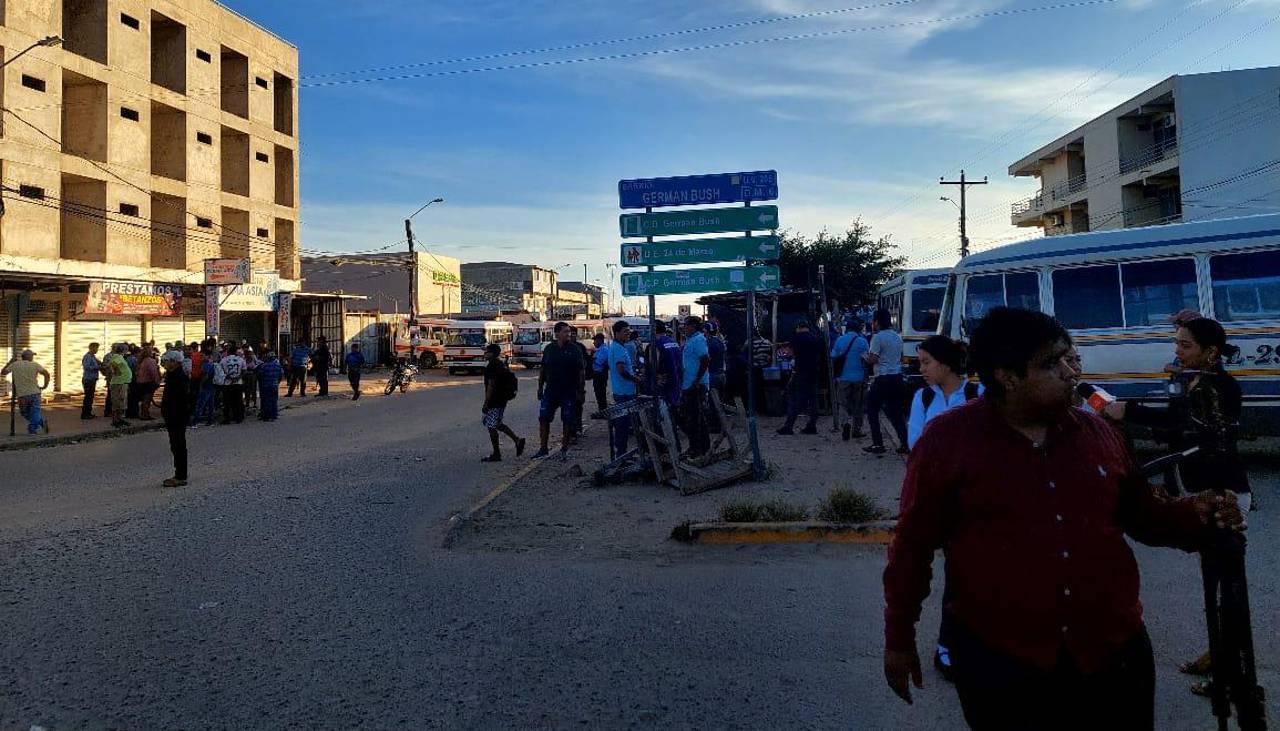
[559,383]
[499,388]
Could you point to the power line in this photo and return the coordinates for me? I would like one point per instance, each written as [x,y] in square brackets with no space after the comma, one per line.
[710,46]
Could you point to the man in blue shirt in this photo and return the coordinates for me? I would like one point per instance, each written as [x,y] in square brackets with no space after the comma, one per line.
[92,368]
[299,359]
[623,381]
[805,349]
[559,383]
[851,380]
[696,381]
[354,363]
[600,373]
[669,371]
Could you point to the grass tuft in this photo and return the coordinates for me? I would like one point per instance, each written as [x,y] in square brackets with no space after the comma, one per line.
[771,511]
[849,506]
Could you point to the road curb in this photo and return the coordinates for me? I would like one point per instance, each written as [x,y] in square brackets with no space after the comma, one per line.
[874,533]
[459,521]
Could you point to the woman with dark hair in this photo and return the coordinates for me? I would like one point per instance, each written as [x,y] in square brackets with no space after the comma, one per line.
[1206,414]
[943,363]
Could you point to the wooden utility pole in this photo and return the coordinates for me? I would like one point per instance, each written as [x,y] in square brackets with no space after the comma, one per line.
[964,185]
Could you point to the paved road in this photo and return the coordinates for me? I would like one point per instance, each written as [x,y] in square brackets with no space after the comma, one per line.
[299,582]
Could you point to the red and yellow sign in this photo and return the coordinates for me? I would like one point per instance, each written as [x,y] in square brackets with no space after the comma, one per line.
[134,298]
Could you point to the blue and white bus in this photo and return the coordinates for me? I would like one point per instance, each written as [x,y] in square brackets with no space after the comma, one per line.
[1115,291]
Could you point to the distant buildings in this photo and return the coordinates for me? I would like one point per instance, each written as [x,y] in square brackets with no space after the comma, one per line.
[498,286]
[384,280]
[575,299]
[1189,148]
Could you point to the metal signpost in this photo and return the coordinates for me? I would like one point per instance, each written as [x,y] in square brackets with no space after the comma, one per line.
[650,193]
[700,251]
[695,190]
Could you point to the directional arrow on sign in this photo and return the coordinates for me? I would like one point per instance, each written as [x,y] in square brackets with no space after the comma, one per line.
[693,281]
[698,221]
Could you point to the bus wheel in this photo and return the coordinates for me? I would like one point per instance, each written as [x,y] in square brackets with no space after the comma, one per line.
[427,360]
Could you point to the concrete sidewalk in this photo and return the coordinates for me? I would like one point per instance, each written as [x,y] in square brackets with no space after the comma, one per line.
[66,426]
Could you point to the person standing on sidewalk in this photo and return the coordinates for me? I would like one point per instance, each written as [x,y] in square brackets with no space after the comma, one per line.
[92,370]
[600,373]
[174,411]
[500,386]
[695,381]
[888,389]
[299,357]
[251,363]
[354,363]
[233,386]
[321,359]
[27,388]
[148,382]
[667,353]
[622,381]
[851,379]
[716,350]
[270,372]
[802,391]
[119,376]
[559,382]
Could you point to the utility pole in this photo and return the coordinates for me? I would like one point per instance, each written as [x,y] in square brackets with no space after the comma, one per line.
[964,184]
[413,276]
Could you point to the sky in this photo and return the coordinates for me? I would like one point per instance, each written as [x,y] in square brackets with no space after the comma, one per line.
[524,114]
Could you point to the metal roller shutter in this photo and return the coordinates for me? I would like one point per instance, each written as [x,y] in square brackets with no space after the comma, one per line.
[167,331]
[76,336]
[123,331]
[193,329]
[38,332]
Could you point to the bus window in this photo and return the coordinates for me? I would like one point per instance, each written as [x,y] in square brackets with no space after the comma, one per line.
[948,305]
[466,338]
[1088,297]
[527,337]
[982,294]
[1022,290]
[926,308]
[1246,286]
[1154,291]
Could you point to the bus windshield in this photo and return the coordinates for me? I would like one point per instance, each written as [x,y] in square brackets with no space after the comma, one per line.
[466,338]
[926,308]
[527,337]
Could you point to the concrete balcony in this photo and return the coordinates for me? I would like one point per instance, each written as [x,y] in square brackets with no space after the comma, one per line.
[1027,212]
[1150,155]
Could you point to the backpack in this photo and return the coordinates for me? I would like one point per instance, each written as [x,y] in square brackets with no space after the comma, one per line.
[508,384]
[837,365]
[928,395]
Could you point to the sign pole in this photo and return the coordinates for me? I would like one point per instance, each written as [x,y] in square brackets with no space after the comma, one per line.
[828,342]
[753,434]
[651,368]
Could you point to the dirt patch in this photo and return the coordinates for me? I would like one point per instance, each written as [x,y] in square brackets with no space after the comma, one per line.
[555,509]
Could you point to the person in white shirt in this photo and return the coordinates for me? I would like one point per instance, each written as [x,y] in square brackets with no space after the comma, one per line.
[888,391]
[942,363]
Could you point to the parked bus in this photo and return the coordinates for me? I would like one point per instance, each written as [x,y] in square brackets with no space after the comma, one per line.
[464,343]
[1116,290]
[530,339]
[640,325]
[428,343]
[914,301]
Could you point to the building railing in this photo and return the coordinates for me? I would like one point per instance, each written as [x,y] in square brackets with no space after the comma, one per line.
[1069,187]
[1150,155]
[1034,204]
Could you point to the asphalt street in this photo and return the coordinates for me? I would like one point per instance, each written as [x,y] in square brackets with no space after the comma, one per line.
[300,582]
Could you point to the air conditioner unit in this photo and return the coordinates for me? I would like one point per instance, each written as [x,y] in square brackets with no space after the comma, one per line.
[1055,219]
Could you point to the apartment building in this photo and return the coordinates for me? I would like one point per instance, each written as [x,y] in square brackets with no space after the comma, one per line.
[156,135]
[1192,147]
[574,299]
[500,286]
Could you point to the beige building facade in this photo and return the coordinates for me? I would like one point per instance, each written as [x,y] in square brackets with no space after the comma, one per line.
[159,134]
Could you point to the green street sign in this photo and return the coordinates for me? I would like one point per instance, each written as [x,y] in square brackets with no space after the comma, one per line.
[699,221]
[692,281]
[701,251]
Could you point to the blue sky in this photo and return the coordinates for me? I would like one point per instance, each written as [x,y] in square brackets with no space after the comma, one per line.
[859,122]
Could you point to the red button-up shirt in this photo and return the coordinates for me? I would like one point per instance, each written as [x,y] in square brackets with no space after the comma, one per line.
[1033,535]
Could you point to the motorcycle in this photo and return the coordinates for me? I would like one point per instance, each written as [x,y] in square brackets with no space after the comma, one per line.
[401,377]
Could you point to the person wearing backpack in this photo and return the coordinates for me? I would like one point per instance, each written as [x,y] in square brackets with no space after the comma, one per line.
[233,367]
[500,387]
[942,363]
[851,378]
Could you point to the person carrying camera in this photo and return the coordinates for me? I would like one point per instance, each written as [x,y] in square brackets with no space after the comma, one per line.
[1031,499]
[1204,412]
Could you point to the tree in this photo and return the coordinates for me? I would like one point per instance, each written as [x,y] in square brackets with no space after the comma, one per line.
[855,263]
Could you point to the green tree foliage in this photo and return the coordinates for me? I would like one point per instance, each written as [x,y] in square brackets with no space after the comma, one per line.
[856,263]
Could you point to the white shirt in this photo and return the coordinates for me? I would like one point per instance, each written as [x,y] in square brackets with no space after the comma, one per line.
[921,416]
[886,345]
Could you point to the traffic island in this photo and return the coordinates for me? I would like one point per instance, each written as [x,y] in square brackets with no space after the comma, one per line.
[874,533]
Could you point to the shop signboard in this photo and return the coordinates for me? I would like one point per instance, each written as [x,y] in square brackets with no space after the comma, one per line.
[284,313]
[212,322]
[134,298]
[258,295]
[227,271]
